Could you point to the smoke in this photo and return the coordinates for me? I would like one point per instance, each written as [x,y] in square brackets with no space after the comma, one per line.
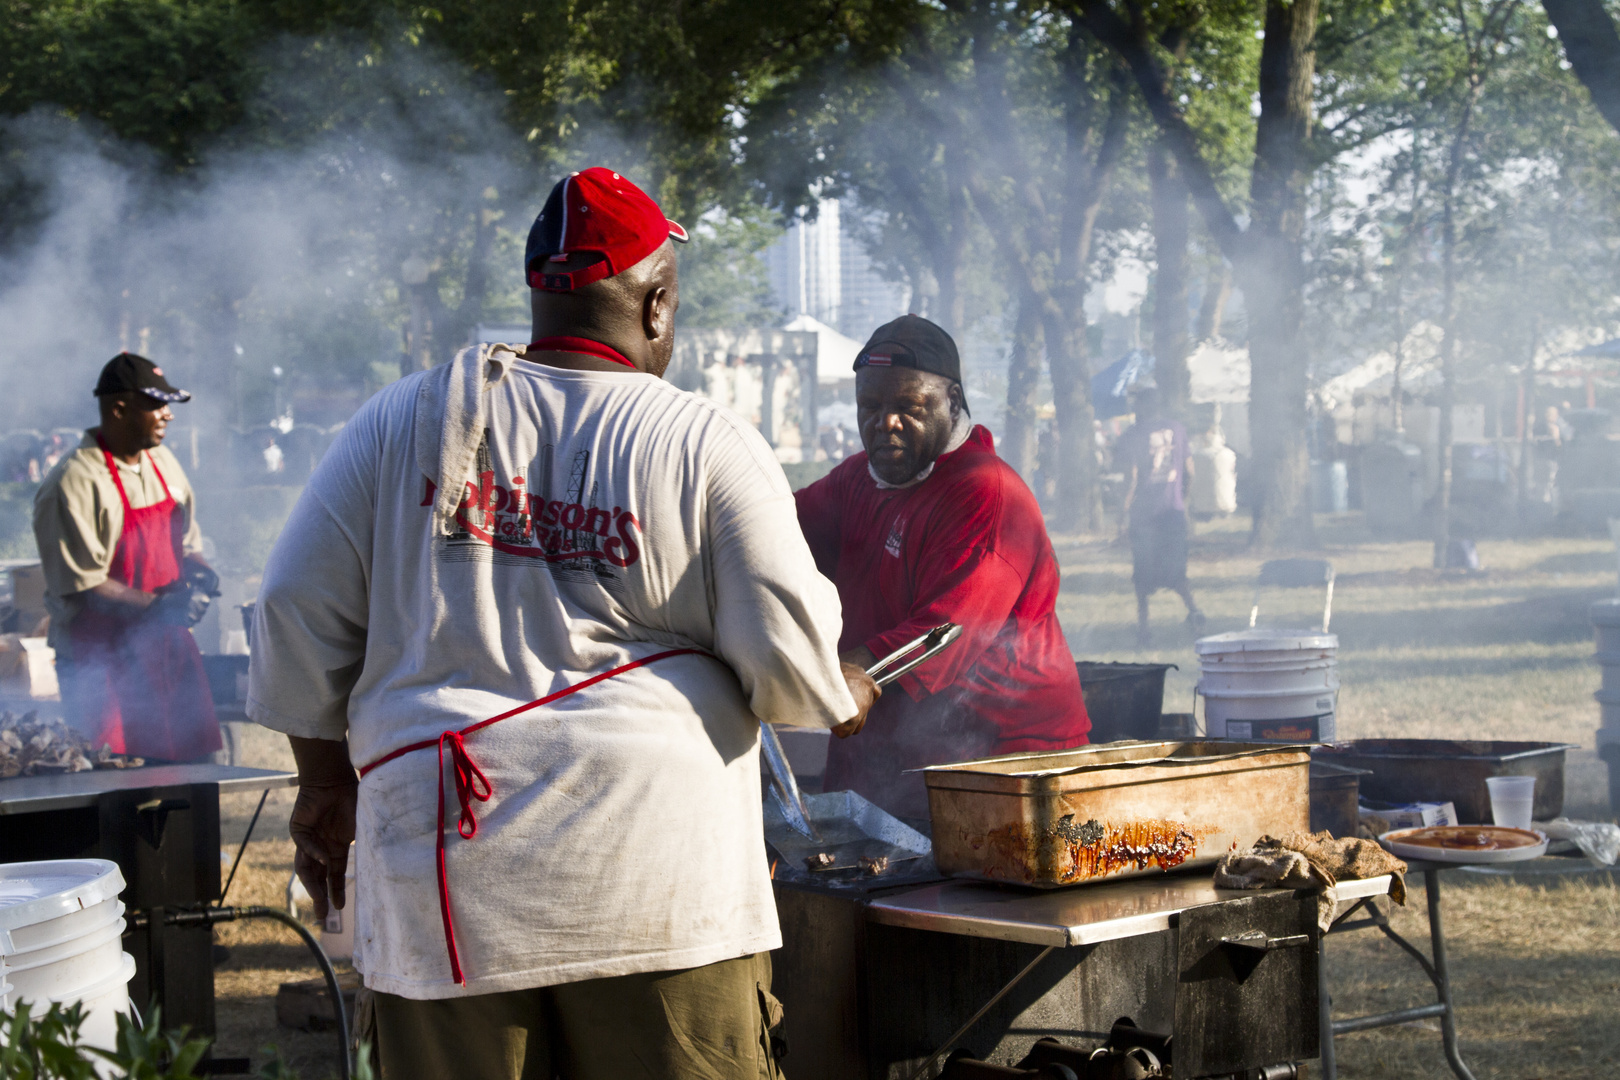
[272,270]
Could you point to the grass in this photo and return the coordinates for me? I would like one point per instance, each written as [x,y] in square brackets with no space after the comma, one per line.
[1504,654]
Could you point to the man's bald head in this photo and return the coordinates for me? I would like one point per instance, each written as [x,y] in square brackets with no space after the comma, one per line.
[632,311]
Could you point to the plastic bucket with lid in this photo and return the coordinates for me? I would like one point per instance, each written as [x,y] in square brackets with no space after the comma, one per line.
[60,969]
[61,938]
[103,1002]
[1264,685]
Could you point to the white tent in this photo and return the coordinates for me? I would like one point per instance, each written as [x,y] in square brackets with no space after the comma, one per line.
[835,353]
[1375,376]
[1218,372]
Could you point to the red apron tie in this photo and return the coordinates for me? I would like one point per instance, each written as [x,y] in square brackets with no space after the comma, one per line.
[472,785]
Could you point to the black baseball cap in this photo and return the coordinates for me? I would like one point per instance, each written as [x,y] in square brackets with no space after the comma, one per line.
[126,372]
[912,341]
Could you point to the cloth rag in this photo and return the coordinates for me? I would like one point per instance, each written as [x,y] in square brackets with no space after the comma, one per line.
[452,412]
[1311,861]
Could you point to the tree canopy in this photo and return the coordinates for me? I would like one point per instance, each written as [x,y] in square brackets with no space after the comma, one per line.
[334,190]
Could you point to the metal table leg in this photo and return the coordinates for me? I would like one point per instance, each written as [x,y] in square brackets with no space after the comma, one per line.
[1437,971]
[1442,976]
[1330,1066]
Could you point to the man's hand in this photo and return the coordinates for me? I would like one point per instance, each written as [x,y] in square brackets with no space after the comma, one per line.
[864,691]
[178,604]
[322,825]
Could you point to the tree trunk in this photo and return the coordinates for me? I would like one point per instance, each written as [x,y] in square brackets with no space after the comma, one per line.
[1448,323]
[1527,419]
[948,269]
[1064,320]
[1078,508]
[1272,278]
[1267,257]
[1170,227]
[1592,47]
[1045,235]
[1212,306]
[1017,446]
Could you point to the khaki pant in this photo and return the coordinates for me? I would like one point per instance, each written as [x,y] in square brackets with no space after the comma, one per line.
[706,1023]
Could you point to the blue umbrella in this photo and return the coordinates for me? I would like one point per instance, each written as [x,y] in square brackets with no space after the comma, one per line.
[1111,387]
[1606,348]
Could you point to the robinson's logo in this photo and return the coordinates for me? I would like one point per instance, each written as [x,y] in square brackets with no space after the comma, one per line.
[512,519]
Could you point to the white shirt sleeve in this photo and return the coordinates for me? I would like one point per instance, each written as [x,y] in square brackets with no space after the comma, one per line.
[776,618]
[309,628]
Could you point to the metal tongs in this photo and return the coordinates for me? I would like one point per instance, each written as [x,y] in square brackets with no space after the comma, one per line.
[932,644]
[784,785]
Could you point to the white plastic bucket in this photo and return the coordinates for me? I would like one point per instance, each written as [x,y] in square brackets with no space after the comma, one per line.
[61,938]
[103,1002]
[1269,685]
[58,970]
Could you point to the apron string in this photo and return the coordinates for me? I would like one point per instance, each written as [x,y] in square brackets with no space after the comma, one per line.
[167,494]
[112,467]
[473,786]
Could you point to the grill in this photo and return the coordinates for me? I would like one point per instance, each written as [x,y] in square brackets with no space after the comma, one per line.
[160,824]
[883,982]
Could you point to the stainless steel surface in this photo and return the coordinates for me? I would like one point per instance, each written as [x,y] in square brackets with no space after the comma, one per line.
[785,785]
[1068,916]
[1113,811]
[31,794]
[932,643]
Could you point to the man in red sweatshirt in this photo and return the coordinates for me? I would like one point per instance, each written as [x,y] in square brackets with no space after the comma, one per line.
[930,526]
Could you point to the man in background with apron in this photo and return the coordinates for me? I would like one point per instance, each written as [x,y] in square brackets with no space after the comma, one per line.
[124,576]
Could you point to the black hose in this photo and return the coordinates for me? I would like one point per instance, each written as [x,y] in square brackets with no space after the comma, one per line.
[258,912]
[210,916]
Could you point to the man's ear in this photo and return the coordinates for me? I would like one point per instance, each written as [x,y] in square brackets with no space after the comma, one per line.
[657,311]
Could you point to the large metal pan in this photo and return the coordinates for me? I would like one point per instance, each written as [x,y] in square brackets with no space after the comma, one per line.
[1112,811]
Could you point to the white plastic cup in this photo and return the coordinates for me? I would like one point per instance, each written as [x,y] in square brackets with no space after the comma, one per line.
[1512,800]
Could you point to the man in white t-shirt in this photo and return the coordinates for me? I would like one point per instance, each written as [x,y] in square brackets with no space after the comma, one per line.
[541,600]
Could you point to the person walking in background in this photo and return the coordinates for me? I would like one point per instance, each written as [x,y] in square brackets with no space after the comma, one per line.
[1154,454]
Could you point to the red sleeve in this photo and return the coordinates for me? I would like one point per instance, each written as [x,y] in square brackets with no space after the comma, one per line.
[819,519]
[961,578]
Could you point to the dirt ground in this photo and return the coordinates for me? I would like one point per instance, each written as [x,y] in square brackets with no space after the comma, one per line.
[1502,654]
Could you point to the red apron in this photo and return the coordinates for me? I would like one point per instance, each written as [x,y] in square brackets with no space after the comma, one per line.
[135,686]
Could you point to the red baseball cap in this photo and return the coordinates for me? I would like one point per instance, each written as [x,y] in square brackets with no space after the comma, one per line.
[596,211]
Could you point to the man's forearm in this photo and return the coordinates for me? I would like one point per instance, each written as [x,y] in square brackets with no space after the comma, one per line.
[116,598]
[860,656]
[322,762]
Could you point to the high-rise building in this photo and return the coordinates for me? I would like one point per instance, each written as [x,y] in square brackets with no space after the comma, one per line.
[819,268]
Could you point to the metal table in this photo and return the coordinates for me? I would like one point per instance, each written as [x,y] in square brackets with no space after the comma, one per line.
[1060,918]
[160,824]
[1434,966]
[868,984]
[64,791]
[1436,969]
